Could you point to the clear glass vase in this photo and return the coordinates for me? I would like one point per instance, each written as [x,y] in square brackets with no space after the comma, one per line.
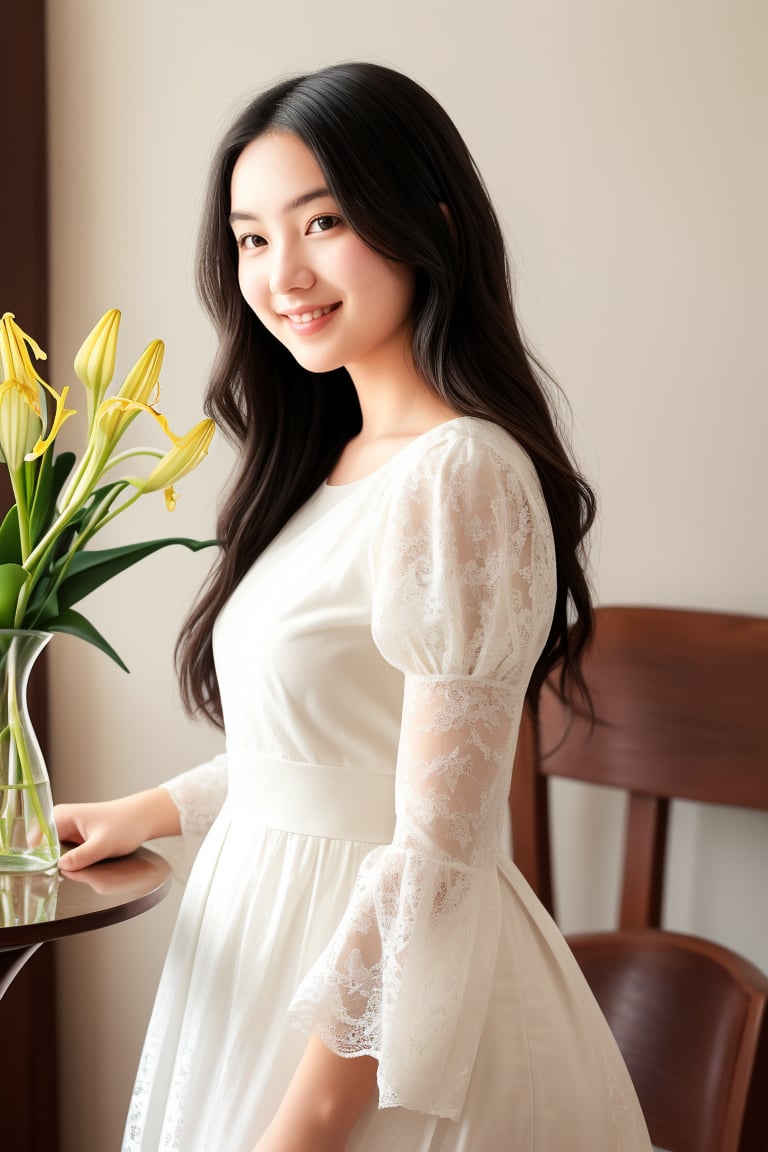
[28,897]
[28,839]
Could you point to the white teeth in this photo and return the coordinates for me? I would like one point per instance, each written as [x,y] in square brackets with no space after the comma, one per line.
[305,317]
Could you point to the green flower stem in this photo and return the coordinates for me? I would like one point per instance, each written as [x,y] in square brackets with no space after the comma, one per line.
[36,571]
[37,561]
[95,518]
[6,815]
[23,599]
[16,737]
[42,549]
[129,453]
[75,479]
[82,538]
[111,516]
[97,459]
[7,911]
[31,470]
[51,536]
[70,508]
[20,499]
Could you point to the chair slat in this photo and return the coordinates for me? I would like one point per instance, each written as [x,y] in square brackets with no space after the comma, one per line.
[644,859]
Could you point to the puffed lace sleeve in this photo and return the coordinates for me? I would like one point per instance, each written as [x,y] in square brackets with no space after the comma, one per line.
[464,589]
[198,794]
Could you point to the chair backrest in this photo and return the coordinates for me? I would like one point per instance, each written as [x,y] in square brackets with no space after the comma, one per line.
[687,1016]
[681,707]
[681,704]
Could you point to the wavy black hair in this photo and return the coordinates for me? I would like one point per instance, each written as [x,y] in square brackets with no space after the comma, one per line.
[405,182]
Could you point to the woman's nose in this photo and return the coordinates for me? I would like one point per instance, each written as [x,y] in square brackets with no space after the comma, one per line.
[288,271]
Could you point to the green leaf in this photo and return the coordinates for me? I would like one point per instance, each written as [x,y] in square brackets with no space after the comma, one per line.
[12,579]
[62,466]
[77,625]
[50,481]
[42,605]
[89,570]
[94,502]
[10,541]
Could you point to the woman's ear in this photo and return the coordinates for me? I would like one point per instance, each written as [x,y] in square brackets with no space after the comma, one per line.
[447,213]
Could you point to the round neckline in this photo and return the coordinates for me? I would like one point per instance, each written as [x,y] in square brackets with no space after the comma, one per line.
[395,455]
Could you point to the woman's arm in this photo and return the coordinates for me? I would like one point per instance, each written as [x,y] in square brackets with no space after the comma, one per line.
[322,1103]
[114,827]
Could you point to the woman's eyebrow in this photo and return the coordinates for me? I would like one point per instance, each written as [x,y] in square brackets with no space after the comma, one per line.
[291,206]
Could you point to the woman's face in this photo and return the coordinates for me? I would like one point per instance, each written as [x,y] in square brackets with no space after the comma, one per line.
[310,279]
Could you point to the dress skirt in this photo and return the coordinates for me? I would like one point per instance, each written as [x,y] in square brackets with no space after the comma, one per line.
[548,1076]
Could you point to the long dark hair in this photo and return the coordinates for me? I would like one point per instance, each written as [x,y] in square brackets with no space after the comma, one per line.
[394,162]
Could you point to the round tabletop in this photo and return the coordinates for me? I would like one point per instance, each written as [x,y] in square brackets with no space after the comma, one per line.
[40,906]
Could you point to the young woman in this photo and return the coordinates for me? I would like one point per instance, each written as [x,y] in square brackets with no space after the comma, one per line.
[356,966]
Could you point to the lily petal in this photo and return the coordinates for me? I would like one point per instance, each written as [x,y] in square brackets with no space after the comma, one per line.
[61,413]
[15,346]
[15,349]
[112,418]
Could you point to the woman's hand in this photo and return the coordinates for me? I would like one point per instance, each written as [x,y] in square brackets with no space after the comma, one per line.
[114,827]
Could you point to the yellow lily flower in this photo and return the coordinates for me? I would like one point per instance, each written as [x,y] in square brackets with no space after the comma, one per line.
[15,346]
[20,421]
[95,362]
[185,454]
[59,509]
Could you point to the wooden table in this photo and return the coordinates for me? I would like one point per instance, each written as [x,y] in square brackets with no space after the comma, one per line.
[37,906]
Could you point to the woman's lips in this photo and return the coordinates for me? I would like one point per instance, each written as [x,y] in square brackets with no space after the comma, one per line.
[310,320]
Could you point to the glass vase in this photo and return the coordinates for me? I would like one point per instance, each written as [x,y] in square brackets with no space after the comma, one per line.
[28,897]
[28,839]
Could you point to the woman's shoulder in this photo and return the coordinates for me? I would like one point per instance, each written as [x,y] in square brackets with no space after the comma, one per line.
[465,444]
[466,473]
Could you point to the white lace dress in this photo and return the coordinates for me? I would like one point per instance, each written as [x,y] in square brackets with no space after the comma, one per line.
[372,667]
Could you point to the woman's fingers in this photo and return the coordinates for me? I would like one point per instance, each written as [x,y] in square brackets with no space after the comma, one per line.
[67,824]
[91,828]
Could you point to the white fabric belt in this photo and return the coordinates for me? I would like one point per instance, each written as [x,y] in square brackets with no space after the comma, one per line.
[313,799]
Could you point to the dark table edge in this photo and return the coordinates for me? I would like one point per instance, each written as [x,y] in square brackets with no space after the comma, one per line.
[25,935]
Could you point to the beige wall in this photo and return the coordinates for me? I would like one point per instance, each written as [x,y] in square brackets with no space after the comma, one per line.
[624,144]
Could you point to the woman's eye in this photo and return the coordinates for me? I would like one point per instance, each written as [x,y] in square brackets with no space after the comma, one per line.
[251,240]
[324,223]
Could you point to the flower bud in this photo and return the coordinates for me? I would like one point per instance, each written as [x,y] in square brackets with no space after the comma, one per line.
[95,362]
[20,421]
[142,379]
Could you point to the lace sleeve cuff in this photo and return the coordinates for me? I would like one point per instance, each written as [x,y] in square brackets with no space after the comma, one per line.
[408,985]
[198,794]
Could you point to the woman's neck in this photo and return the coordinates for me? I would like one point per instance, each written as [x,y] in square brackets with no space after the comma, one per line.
[394,411]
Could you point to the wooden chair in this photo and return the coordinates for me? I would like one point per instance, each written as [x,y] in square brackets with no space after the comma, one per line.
[687,1015]
[681,703]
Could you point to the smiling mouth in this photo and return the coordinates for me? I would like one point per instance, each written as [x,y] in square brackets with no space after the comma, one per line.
[310,315]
